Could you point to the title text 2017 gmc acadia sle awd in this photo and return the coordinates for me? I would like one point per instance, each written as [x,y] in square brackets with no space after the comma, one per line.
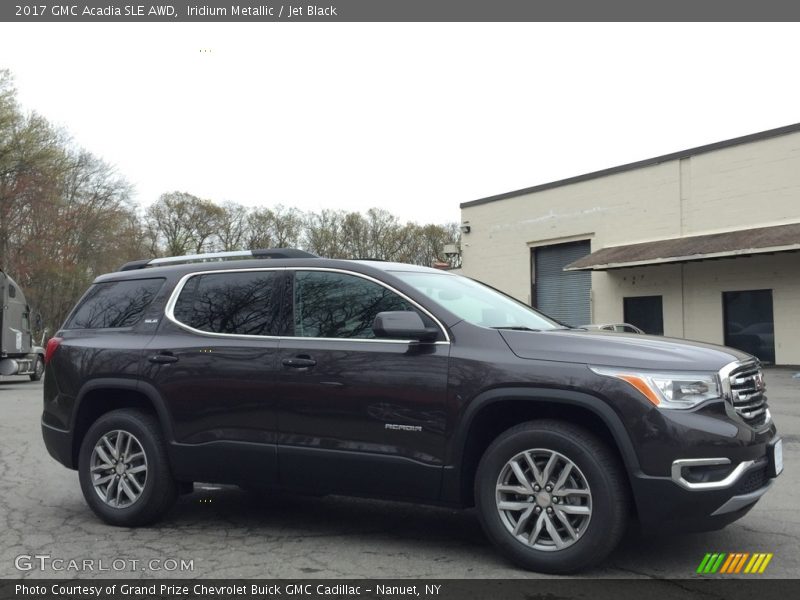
[287,371]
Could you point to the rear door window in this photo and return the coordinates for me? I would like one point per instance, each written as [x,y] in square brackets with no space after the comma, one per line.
[114,304]
[243,303]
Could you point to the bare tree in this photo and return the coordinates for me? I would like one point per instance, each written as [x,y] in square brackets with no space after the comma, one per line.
[280,227]
[183,223]
[232,229]
[324,233]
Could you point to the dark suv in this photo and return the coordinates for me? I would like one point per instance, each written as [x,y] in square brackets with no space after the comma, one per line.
[292,372]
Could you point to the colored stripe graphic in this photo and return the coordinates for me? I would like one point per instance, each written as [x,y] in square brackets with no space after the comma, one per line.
[765,563]
[727,564]
[757,565]
[730,565]
[752,562]
[733,563]
[703,563]
[711,563]
[718,564]
[740,564]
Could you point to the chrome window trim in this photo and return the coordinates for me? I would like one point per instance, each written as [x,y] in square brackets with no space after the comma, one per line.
[173,299]
[733,476]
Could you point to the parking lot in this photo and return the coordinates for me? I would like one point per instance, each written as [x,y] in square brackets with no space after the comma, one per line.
[222,532]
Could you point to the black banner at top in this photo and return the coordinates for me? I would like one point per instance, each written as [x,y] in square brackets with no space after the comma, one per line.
[397,10]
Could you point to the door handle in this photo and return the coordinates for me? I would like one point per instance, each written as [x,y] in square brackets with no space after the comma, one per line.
[163,358]
[299,362]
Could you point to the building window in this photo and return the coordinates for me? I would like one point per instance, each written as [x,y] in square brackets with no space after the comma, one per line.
[646,312]
[748,323]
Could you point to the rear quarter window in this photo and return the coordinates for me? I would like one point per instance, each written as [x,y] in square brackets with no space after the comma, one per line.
[114,304]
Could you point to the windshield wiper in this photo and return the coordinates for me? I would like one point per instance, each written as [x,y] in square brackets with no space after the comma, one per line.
[515,328]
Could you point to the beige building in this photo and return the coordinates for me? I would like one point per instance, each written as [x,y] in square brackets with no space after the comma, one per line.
[700,244]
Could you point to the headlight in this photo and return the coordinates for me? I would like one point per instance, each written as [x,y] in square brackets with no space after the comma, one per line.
[669,390]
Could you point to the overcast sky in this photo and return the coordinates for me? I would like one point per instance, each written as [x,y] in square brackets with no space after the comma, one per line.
[413,118]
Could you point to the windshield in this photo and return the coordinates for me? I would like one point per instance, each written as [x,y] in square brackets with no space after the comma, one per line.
[476,303]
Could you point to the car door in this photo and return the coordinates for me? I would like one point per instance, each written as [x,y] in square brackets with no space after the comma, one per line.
[358,414]
[213,363]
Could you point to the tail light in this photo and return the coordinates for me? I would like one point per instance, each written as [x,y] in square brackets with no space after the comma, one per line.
[52,345]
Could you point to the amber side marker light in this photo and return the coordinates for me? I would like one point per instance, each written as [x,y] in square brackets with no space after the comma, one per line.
[640,385]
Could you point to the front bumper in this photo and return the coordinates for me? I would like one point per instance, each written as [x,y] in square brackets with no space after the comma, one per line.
[677,504]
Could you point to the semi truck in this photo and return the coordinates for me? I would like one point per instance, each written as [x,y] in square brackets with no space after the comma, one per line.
[18,353]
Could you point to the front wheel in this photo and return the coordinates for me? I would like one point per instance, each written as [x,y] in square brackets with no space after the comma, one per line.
[552,496]
[124,471]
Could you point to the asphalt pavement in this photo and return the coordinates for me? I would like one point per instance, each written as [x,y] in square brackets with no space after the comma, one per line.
[221,532]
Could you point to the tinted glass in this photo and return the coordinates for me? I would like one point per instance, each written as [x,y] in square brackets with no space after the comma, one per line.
[240,303]
[475,302]
[337,305]
[114,304]
[12,291]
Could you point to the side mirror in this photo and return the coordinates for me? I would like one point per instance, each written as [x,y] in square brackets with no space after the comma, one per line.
[404,324]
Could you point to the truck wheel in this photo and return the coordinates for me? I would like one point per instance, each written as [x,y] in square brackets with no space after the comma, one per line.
[38,369]
[123,469]
[551,496]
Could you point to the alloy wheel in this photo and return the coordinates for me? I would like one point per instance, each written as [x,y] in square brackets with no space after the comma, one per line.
[118,468]
[543,499]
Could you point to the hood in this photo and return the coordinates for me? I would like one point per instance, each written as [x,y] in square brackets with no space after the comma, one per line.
[620,350]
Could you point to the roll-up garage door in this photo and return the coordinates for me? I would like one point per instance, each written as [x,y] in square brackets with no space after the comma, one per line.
[564,295]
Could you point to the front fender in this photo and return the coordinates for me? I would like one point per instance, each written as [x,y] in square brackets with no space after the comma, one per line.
[451,487]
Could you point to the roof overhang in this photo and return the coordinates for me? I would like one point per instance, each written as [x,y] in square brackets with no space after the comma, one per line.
[729,244]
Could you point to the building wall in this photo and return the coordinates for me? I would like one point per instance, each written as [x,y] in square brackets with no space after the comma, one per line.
[750,185]
[692,296]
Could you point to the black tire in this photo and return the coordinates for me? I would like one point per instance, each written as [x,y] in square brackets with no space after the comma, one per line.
[598,466]
[160,489]
[38,369]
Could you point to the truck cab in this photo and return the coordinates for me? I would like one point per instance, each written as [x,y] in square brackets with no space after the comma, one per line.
[18,353]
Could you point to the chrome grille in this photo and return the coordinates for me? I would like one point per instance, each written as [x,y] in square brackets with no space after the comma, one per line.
[747,393]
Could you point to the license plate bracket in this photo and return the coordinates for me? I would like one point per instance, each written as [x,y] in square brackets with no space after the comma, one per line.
[775,457]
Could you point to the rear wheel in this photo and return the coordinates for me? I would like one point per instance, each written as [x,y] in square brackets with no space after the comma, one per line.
[551,496]
[123,469]
[38,369]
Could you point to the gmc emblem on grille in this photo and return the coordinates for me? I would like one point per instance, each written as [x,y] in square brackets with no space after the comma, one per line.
[758,382]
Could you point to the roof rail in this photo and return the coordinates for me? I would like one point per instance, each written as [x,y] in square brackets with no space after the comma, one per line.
[208,256]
